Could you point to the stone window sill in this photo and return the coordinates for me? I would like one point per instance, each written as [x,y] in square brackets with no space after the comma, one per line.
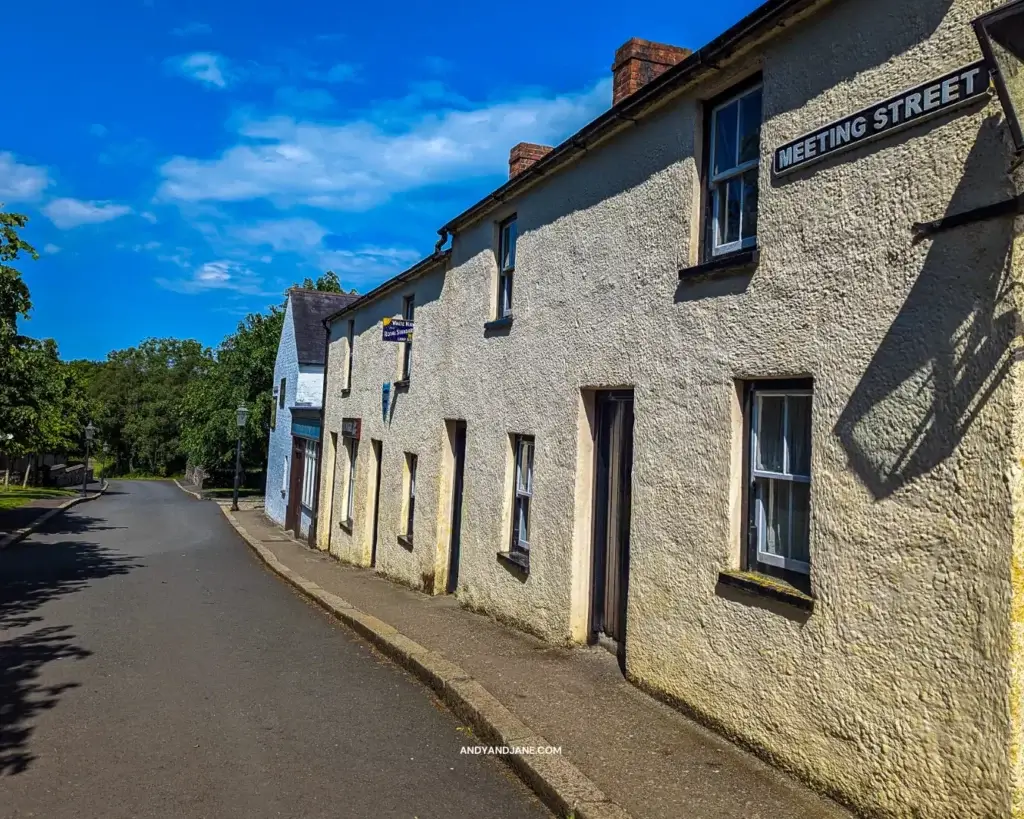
[346,392]
[517,560]
[402,385]
[498,325]
[764,586]
[405,540]
[739,262]
[346,525]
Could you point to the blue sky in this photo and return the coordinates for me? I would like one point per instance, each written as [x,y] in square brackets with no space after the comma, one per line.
[182,163]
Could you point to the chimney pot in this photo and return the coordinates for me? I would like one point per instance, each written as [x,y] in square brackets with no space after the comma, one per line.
[637,62]
[525,154]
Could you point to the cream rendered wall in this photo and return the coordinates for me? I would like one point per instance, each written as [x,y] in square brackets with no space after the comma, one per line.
[895,693]
[413,426]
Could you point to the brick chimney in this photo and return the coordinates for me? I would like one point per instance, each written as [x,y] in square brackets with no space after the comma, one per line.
[525,154]
[638,62]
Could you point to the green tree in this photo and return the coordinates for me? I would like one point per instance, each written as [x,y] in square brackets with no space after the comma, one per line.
[242,373]
[14,294]
[327,283]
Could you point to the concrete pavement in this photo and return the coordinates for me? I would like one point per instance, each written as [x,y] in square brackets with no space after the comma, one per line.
[617,743]
[150,667]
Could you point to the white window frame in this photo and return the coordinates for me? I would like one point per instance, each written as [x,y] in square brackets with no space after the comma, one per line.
[506,272]
[351,345]
[760,515]
[717,183]
[412,463]
[310,457]
[522,492]
[408,312]
[351,446]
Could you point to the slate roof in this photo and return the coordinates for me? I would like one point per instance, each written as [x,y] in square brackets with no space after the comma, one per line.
[309,309]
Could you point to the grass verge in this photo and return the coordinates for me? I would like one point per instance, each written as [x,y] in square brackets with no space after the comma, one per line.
[12,497]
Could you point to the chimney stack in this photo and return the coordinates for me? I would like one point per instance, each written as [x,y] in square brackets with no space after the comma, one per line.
[638,62]
[525,154]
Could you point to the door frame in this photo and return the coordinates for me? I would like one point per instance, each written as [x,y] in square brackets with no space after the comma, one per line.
[458,487]
[296,473]
[603,399]
[377,450]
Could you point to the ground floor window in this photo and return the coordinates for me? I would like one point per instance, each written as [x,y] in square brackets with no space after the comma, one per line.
[351,447]
[780,477]
[410,499]
[523,494]
[311,454]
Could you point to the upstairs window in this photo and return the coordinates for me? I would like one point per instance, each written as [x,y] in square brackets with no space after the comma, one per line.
[408,311]
[507,236]
[351,341]
[734,156]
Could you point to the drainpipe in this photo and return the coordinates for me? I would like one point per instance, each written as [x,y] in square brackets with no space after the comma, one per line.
[315,524]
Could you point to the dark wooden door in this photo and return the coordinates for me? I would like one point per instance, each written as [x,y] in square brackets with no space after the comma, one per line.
[298,469]
[378,454]
[456,526]
[612,506]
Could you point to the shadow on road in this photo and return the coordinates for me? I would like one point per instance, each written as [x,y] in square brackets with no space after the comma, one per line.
[32,574]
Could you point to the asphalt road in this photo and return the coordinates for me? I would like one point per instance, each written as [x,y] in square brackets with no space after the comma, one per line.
[150,667]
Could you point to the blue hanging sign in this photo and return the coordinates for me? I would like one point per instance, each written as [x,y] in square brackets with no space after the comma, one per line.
[385,394]
[397,329]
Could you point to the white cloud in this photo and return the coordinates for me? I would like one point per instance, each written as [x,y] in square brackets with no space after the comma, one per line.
[367,264]
[21,183]
[311,99]
[139,248]
[69,213]
[339,72]
[149,216]
[192,30]
[51,249]
[204,67]
[219,275]
[282,235]
[98,130]
[361,163]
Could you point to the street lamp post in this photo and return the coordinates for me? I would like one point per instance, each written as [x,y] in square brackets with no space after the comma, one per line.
[90,432]
[241,414]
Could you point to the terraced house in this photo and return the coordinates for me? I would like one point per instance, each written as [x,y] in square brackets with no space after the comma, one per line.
[725,382]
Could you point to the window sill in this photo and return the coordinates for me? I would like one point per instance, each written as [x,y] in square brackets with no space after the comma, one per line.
[403,384]
[498,325]
[346,392]
[765,586]
[346,525]
[517,560]
[405,540]
[736,262]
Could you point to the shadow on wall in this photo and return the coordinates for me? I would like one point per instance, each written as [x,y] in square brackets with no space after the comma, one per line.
[30,575]
[948,348]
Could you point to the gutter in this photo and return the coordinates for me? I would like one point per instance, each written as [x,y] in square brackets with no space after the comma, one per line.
[774,13]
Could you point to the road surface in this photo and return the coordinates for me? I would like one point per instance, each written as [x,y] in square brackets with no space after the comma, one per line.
[151,667]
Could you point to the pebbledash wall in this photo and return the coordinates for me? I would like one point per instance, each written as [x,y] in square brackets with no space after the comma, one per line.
[901,691]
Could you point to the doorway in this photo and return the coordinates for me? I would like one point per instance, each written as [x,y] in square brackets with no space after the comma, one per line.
[613,473]
[378,454]
[454,549]
[332,466]
[298,470]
